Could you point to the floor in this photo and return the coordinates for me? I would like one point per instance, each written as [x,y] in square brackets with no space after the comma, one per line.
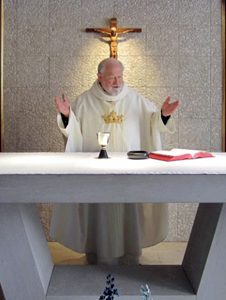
[165,253]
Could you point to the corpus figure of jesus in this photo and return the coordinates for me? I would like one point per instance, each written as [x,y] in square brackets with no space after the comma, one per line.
[113,33]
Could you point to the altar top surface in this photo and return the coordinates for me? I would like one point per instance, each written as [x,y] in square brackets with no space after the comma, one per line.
[118,163]
[82,177]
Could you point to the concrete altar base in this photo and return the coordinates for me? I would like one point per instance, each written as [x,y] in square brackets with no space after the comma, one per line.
[27,271]
[25,262]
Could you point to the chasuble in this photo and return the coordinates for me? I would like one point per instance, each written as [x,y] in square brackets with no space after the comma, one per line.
[112,230]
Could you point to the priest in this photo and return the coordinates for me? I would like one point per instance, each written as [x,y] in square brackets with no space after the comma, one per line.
[112,233]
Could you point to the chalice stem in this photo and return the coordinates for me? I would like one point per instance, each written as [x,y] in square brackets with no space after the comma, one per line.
[103,153]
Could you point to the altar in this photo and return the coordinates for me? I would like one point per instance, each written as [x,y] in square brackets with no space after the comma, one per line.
[26,269]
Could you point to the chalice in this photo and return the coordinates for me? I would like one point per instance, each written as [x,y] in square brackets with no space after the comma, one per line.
[103,140]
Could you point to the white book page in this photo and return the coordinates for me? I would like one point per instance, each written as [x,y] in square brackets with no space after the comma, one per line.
[177,152]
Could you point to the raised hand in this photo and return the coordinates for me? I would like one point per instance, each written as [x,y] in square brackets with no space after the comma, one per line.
[169,108]
[63,106]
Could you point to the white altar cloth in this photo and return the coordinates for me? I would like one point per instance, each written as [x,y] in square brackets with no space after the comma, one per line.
[118,163]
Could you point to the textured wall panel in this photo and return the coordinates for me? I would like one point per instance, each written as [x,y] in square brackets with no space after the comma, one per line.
[95,44]
[64,71]
[194,71]
[65,13]
[97,13]
[65,41]
[131,13]
[33,13]
[216,102]
[215,135]
[216,76]
[186,215]
[194,133]
[195,102]
[164,12]
[32,71]
[215,16]
[132,43]
[215,39]
[194,40]
[10,27]
[162,40]
[10,115]
[33,40]
[162,71]
[135,70]
[194,12]
[173,221]
[10,71]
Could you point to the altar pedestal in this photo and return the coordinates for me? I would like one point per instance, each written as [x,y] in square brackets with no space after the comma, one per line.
[26,264]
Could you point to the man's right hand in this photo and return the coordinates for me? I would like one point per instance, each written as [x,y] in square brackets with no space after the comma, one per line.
[63,106]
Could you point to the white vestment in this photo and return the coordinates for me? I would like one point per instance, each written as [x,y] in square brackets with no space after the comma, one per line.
[112,230]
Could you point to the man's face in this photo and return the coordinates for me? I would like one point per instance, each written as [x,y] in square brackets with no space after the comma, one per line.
[111,79]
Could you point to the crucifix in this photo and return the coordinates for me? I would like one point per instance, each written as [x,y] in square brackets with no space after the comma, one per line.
[113,33]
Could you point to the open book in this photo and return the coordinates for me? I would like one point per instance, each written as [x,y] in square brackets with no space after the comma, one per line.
[179,154]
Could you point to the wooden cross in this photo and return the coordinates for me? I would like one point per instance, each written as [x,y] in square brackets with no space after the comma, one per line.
[113,33]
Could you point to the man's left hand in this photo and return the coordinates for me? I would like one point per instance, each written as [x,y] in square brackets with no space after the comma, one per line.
[169,108]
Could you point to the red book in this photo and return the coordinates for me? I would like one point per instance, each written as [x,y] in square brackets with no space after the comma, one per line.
[179,154]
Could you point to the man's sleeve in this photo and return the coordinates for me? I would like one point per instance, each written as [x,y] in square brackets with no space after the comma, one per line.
[64,120]
[165,119]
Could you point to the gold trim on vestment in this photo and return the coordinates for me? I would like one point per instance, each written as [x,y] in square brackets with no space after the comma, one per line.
[113,118]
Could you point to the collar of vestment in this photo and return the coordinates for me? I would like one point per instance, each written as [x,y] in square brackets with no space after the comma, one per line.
[98,92]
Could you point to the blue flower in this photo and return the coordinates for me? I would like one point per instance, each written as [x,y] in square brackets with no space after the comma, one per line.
[109,291]
[145,292]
